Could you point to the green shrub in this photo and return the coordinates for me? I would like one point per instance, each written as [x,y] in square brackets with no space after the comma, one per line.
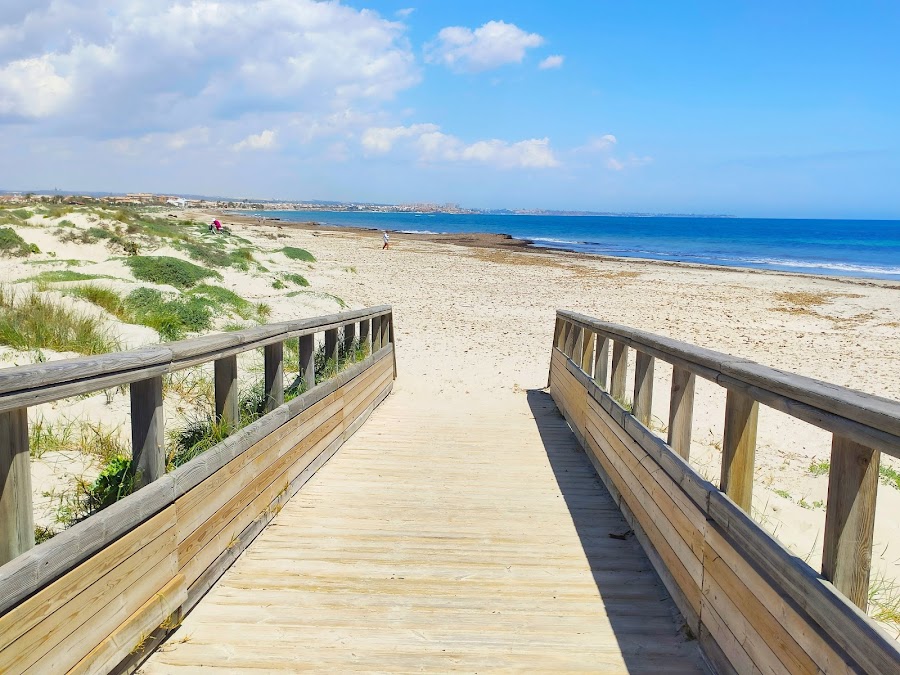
[31,322]
[295,253]
[171,318]
[115,481]
[166,270]
[11,244]
[278,284]
[222,298]
[298,279]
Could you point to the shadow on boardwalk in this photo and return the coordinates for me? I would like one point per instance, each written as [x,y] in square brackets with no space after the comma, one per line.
[646,623]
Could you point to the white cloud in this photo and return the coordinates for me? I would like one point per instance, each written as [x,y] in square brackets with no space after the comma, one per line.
[554,61]
[149,66]
[166,142]
[265,140]
[494,44]
[32,88]
[432,146]
[632,162]
[602,143]
[405,12]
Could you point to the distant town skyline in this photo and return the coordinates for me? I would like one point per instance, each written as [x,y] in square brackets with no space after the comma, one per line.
[757,110]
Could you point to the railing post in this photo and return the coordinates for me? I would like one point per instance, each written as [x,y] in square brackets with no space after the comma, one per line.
[376,333]
[619,370]
[601,362]
[148,437]
[643,388]
[850,518]
[364,335]
[385,330]
[16,515]
[273,357]
[227,403]
[681,411]
[587,352]
[349,338]
[739,448]
[574,339]
[557,332]
[390,338]
[307,349]
[331,346]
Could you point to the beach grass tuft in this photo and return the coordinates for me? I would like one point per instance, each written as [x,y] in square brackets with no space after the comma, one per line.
[12,245]
[59,276]
[295,253]
[171,318]
[166,270]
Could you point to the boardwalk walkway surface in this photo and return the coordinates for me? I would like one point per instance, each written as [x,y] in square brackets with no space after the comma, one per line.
[442,537]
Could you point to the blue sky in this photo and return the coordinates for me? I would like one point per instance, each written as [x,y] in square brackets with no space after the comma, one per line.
[751,109]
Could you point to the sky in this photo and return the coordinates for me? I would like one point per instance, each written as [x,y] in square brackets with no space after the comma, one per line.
[755,109]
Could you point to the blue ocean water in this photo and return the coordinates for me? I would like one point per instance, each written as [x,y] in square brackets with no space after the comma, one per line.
[856,248]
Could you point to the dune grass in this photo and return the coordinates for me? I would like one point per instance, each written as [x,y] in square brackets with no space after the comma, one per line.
[12,245]
[29,321]
[295,253]
[171,318]
[297,279]
[166,270]
[105,298]
[58,276]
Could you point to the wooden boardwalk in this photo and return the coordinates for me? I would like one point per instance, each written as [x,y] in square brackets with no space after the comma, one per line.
[442,537]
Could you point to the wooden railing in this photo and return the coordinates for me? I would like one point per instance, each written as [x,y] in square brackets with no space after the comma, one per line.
[102,593]
[752,603]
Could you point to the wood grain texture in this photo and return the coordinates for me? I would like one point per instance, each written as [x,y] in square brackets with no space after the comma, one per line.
[273,375]
[601,362]
[483,560]
[681,411]
[225,374]
[643,388]
[307,351]
[148,433]
[850,518]
[739,448]
[587,352]
[16,512]
[619,370]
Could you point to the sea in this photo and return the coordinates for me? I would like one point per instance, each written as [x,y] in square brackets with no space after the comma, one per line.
[851,248]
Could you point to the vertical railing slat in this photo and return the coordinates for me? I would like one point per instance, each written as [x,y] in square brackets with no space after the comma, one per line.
[307,350]
[349,337]
[601,362]
[681,411]
[148,434]
[587,352]
[643,387]
[274,375]
[739,448]
[850,518]
[376,333]
[226,385]
[619,371]
[331,346]
[16,515]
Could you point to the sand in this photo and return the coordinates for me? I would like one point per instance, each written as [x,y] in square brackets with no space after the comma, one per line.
[474,320]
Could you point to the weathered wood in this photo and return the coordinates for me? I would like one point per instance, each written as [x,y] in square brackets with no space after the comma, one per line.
[307,351]
[643,388]
[850,519]
[349,337]
[273,383]
[227,398]
[574,340]
[391,339]
[331,346]
[739,448]
[681,411]
[376,333]
[601,362]
[16,516]
[587,352]
[365,338]
[148,435]
[619,371]
[385,330]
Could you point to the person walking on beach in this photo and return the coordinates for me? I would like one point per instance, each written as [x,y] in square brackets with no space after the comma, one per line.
[387,241]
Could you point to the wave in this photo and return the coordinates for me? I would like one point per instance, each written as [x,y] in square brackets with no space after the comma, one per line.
[814,264]
[419,232]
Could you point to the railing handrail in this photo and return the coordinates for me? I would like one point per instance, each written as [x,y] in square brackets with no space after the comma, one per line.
[45,382]
[865,418]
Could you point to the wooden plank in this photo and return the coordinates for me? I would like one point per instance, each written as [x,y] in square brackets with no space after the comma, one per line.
[349,337]
[16,515]
[87,578]
[601,362]
[739,448]
[619,371]
[714,630]
[385,330]
[85,617]
[850,519]
[681,411]
[131,636]
[331,345]
[365,334]
[227,398]
[376,334]
[148,434]
[643,388]
[273,382]
[392,341]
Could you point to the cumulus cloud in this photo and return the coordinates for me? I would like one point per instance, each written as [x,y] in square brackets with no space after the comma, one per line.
[494,44]
[151,67]
[431,146]
[265,140]
[554,61]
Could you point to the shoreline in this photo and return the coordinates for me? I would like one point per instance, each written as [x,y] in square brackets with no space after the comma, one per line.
[506,242]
